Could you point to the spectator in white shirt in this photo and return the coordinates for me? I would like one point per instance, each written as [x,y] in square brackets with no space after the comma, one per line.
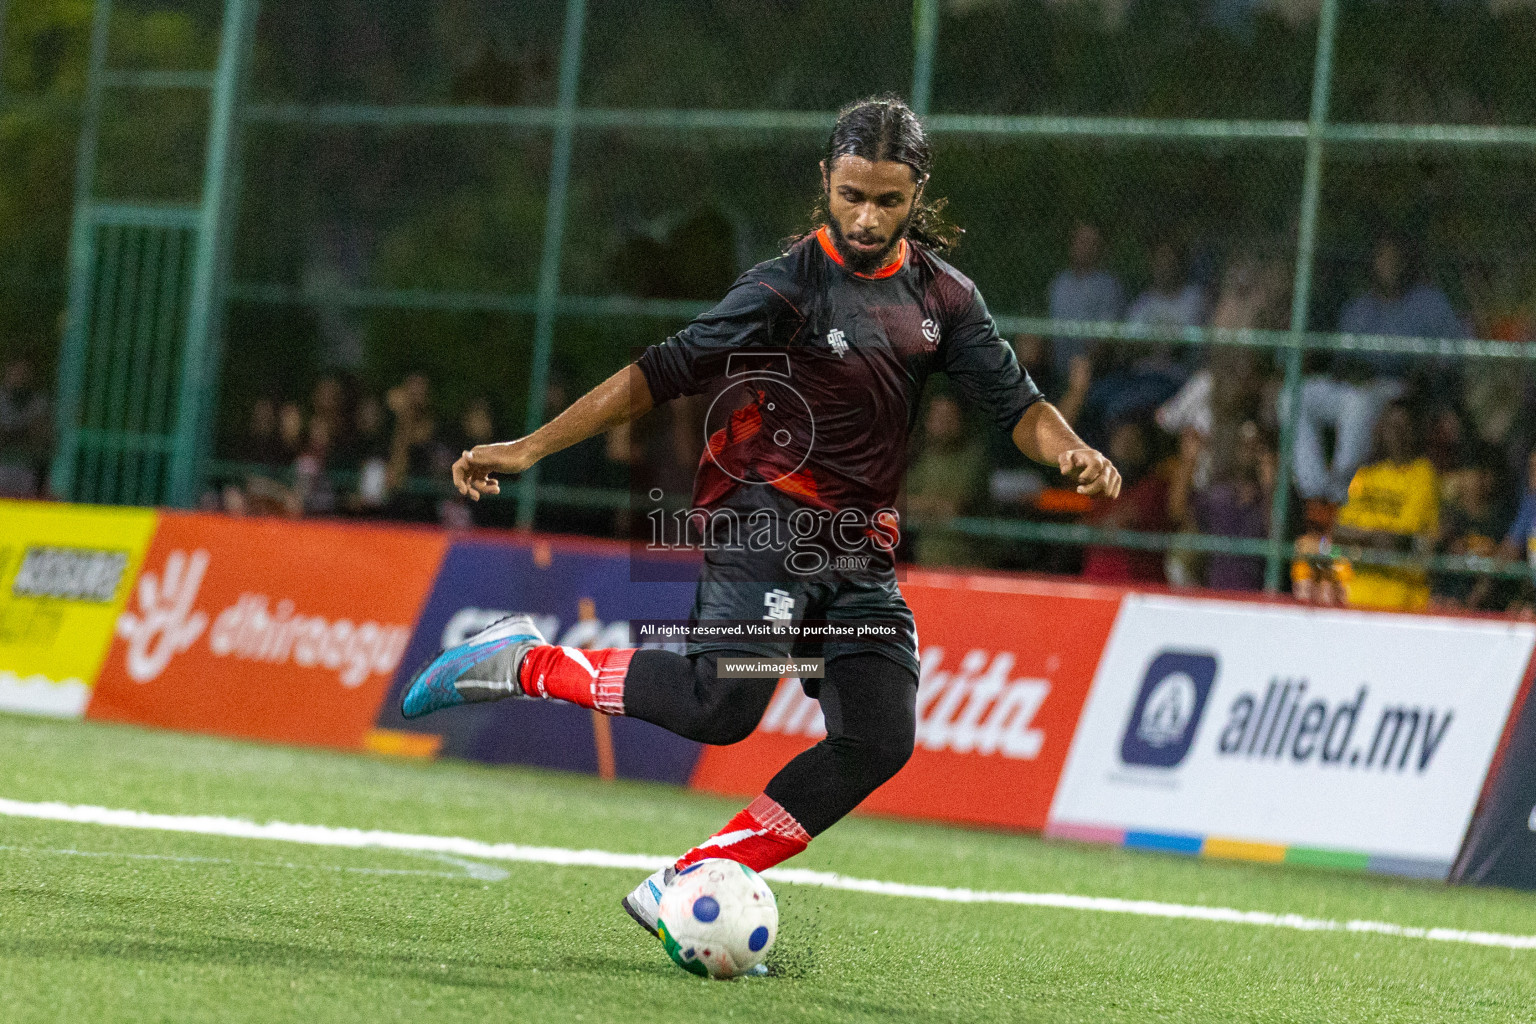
[1359,385]
[1172,302]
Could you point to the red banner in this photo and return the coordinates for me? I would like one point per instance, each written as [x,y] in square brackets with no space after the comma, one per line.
[271,629]
[1006,668]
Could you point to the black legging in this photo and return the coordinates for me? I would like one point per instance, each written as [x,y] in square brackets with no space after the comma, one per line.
[868,700]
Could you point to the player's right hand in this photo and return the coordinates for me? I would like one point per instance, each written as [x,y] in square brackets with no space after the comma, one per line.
[1093,474]
[473,473]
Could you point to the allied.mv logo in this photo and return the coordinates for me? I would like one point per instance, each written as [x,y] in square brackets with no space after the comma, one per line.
[931,333]
[1168,709]
[837,342]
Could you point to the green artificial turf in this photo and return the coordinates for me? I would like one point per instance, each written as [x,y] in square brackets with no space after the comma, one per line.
[108,924]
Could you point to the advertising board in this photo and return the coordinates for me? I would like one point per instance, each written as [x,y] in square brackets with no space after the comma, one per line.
[1006,666]
[1275,733]
[65,573]
[267,628]
[582,594]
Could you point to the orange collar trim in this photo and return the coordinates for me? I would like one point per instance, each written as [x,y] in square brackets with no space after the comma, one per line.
[824,236]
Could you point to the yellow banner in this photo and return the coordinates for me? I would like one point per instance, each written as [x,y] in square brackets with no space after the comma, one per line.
[65,574]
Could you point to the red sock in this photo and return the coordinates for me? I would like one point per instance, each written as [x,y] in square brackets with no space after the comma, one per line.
[593,679]
[760,836]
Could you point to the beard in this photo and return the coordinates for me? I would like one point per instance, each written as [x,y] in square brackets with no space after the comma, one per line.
[866,262]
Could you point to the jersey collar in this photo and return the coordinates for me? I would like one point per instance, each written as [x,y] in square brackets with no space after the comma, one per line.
[824,236]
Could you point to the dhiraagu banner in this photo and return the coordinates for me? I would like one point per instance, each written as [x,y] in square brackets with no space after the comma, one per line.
[65,575]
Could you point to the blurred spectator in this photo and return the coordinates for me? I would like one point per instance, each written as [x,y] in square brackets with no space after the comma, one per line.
[314,493]
[475,427]
[412,448]
[369,455]
[259,445]
[25,431]
[1350,397]
[1083,291]
[1229,390]
[290,432]
[1173,301]
[1520,540]
[1231,386]
[266,458]
[1234,502]
[332,401]
[1470,525]
[946,480]
[1142,505]
[1148,374]
[1393,505]
[1079,386]
[1129,392]
[1446,443]
[1494,392]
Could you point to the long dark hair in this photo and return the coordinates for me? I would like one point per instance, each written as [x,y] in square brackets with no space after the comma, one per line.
[885,128]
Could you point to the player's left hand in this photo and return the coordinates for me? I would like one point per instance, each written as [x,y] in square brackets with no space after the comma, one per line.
[1093,474]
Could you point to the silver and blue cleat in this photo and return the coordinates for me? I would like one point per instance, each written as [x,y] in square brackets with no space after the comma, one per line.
[644,904]
[482,668]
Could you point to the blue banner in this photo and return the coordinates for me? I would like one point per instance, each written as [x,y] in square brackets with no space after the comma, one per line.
[582,595]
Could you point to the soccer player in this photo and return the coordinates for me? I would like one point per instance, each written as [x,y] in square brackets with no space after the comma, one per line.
[818,359]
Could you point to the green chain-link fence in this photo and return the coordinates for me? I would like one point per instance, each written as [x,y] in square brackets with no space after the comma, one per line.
[152,284]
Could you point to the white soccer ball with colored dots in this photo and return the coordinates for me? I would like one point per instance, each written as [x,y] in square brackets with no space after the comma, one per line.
[718,919]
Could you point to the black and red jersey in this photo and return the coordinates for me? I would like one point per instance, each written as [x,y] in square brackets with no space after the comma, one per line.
[816,372]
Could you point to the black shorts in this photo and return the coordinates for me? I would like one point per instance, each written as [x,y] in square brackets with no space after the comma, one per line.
[745,585]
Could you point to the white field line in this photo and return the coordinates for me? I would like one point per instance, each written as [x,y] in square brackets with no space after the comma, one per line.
[322,835]
[118,855]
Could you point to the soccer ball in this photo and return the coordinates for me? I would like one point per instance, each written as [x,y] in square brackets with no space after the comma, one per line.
[718,919]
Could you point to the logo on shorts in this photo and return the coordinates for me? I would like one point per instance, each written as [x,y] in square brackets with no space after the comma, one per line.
[1168,709]
[781,607]
[837,342]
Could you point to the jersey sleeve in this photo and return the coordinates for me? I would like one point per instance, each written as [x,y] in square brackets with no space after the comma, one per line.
[982,365]
[752,314]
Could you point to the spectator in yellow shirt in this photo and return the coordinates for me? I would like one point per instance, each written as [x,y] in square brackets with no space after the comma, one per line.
[1393,505]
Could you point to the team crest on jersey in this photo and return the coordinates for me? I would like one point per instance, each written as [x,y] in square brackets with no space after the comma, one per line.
[837,342]
[931,332]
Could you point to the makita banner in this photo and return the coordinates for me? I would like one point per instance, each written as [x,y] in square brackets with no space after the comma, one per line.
[582,595]
[265,628]
[1277,733]
[1006,666]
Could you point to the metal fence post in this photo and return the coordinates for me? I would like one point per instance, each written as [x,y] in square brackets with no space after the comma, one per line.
[554,239]
[199,366]
[1301,295]
[223,270]
[82,255]
[925,34]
